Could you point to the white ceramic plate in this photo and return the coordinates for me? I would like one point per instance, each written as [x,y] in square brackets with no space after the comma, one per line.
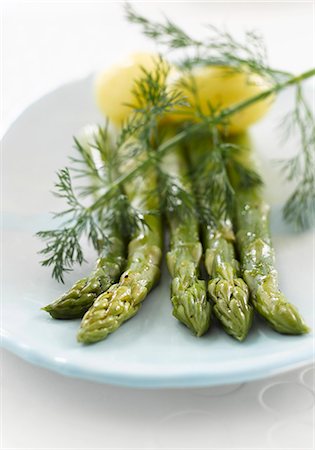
[152,349]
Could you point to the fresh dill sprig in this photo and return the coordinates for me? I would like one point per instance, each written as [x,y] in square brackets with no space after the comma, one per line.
[63,245]
[300,207]
[153,99]
[63,248]
[110,206]
[167,34]
[220,48]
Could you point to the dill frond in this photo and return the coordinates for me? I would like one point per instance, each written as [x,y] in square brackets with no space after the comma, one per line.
[220,48]
[63,248]
[97,162]
[300,207]
[63,245]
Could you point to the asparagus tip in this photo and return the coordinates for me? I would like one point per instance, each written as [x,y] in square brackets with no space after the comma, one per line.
[232,307]
[191,307]
[281,315]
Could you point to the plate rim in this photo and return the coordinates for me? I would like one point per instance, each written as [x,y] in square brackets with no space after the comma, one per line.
[142,379]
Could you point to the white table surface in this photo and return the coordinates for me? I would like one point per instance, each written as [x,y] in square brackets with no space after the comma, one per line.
[44,45]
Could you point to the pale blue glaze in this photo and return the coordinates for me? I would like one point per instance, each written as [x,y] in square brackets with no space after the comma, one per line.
[152,349]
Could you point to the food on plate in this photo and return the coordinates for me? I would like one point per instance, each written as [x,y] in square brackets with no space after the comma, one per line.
[188,291]
[114,87]
[80,297]
[217,88]
[227,290]
[257,254]
[191,102]
[122,300]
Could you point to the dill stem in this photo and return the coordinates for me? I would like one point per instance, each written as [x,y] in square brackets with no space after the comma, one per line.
[211,120]
[274,89]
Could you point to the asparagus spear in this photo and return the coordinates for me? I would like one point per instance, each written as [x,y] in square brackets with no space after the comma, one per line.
[80,297]
[257,253]
[122,300]
[226,288]
[188,292]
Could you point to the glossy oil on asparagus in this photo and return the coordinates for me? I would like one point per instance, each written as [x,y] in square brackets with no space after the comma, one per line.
[122,300]
[226,288]
[81,296]
[257,253]
[188,291]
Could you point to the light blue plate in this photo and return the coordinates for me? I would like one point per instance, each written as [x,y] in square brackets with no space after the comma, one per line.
[152,349]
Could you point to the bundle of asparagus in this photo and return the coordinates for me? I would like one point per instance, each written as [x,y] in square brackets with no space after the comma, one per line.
[180,155]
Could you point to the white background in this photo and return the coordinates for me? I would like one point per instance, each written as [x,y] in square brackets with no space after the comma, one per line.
[45,44]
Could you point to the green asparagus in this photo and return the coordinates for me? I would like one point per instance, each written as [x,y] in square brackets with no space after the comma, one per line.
[226,288]
[77,300]
[257,253]
[122,300]
[188,292]
[80,297]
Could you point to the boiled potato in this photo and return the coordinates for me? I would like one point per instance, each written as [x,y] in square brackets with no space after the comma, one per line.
[113,87]
[221,87]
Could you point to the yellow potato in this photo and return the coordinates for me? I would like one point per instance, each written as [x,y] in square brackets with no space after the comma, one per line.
[113,87]
[221,88]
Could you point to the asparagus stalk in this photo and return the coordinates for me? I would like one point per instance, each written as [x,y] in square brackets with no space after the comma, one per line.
[226,288]
[122,300]
[81,296]
[188,292]
[257,253]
